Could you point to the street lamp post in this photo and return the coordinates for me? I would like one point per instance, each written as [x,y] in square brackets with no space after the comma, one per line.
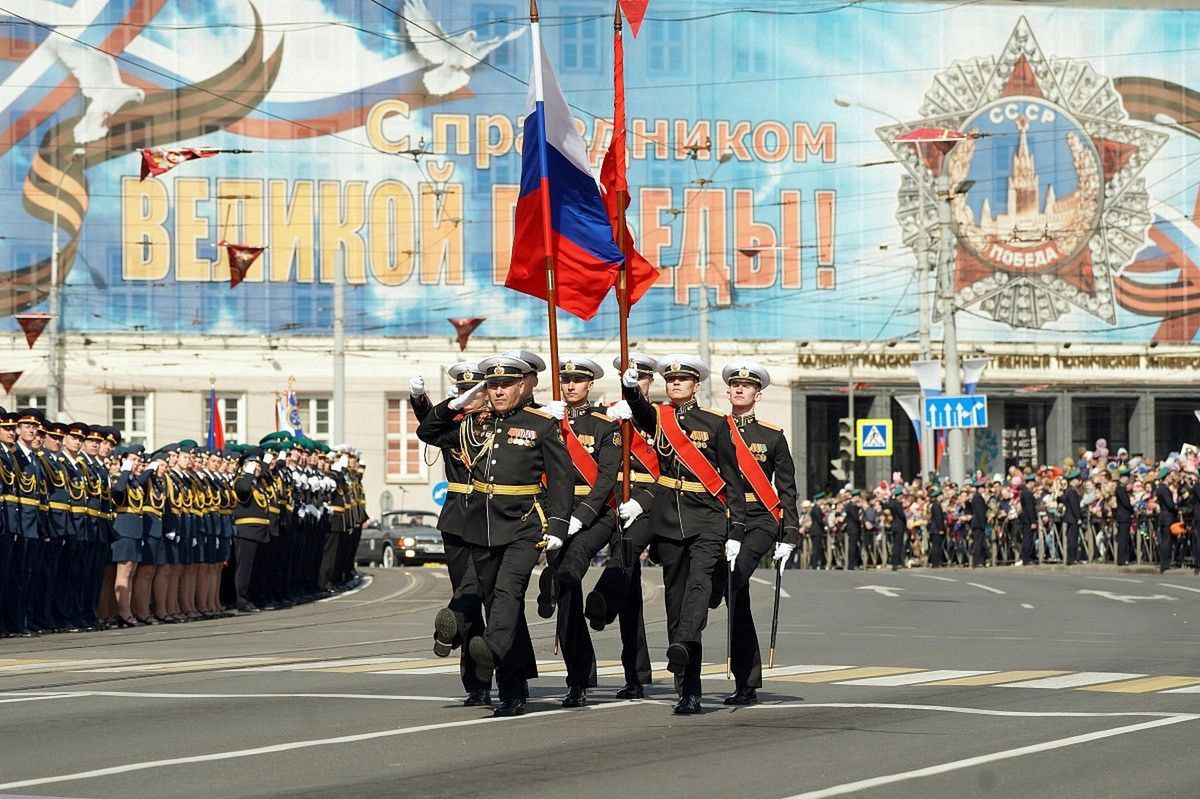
[55,354]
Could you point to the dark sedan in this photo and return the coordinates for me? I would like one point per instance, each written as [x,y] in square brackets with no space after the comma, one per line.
[402,537]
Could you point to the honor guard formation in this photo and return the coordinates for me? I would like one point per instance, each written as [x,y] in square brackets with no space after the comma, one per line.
[710,494]
[96,534]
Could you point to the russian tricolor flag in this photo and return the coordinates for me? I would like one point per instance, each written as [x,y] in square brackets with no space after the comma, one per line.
[556,185]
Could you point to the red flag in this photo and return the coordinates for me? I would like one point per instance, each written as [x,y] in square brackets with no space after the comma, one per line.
[635,11]
[32,324]
[640,274]
[241,258]
[9,379]
[156,162]
[465,328]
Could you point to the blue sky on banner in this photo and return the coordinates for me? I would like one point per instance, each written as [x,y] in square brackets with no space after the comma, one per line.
[763,83]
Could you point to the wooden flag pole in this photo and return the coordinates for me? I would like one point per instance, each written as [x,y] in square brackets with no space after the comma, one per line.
[547,237]
[622,282]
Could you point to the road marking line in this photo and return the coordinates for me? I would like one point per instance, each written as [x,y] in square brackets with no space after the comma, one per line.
[1074,680]
[603,668]
[1027,606]
[1007,754]
[986,588]
[845,673]
[380,665]
[417,672]
[1194,689]
[180,666]
[1114,579]
[783,592]
[1180,587]
[294,745]
[915,678]
[1143,686]
[59,665]
[979,711]
[935,577]
[995,678]
[366,582]
[307,665]
[166,695]
[783,671]
[37,698]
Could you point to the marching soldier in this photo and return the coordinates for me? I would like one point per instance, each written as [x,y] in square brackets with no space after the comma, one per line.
[772,522]
[701,505]
[593,443]
[618,592]
[509,511]
[462,619]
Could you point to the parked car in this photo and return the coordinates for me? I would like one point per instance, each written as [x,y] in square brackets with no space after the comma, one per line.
[402,537]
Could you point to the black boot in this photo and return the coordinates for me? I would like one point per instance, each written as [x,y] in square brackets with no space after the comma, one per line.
[510,707]
[445,632]
[595,610]
[576,697]
[688,705]
[485,662]
[547,593]
[632,690]
[480,697]
[742,697]
[677,658]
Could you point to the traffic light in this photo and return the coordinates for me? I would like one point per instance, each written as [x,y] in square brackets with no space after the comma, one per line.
[843,465]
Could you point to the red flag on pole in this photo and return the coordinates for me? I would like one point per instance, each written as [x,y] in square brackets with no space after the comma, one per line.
[33,324]
[9,379]
[465,328]
[640,273]
[635,12]
[156,162]
[241,258]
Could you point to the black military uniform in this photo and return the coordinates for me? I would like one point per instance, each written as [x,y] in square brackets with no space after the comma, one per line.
[1123,516]
[508,513]
[1168,514]
[979,512]
[1072,517]
[462,619]
[937,529]
[853,514]
[1026,521]
[899,529]
[817,533]
[252,526]
[30,524]
[765,527]
[593,443]
[691,522]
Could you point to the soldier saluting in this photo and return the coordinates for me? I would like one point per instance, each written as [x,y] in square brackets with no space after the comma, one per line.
[772,523]
[509,511]
[694,513]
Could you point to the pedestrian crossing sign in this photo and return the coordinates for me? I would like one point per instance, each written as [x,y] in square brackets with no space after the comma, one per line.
[873,437]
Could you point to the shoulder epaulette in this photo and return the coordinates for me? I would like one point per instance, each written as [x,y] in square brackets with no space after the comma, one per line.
[602,416]
[539,412]
[713,411]
[768,425]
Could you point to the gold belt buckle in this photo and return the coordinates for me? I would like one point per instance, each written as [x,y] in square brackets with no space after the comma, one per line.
[491,489]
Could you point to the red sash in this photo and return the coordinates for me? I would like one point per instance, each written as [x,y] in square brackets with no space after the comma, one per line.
[584,462]
[753,472]
[685,450]
[644,453]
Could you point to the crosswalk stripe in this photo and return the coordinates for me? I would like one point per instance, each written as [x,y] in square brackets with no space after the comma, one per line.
[1191,689]
[843,673]
[604,668]
[913,678]
[180,666]
[784,671]
[50,666]
[303,665]
[407,672]
[380,665]
[1143,686]
[996,677]
[1074,680]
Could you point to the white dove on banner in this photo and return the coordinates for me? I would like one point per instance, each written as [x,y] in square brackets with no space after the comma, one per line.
[451,57]
[99,81]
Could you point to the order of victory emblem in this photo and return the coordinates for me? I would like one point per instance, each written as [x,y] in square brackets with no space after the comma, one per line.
[1047,200]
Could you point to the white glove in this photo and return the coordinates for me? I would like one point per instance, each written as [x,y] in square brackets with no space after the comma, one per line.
[629,378]
[556,408]
[416,386]
[732,548]
[453,392]
[462,400]
[248,467]
[171,536]
[574,527]
[341,463]
[127,464]
[783,552]
[553,542]
[619,411]
[629,511]
[267,458]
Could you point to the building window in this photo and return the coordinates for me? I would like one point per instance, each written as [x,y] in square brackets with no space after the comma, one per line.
[232,407]
[667,54]
[581,39]
[128,413]
[316,414]
[404,456]
[23,401]
[494,21]
[751,44]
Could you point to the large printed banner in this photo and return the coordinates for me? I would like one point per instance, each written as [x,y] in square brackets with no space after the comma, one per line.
[385,138]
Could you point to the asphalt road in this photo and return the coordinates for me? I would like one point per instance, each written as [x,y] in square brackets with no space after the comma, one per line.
[997,682]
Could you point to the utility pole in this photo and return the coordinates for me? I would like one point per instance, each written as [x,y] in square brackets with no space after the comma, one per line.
[56,351]
[954,436]
[339,347]
[924,315]
[850,413]
[706,397]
